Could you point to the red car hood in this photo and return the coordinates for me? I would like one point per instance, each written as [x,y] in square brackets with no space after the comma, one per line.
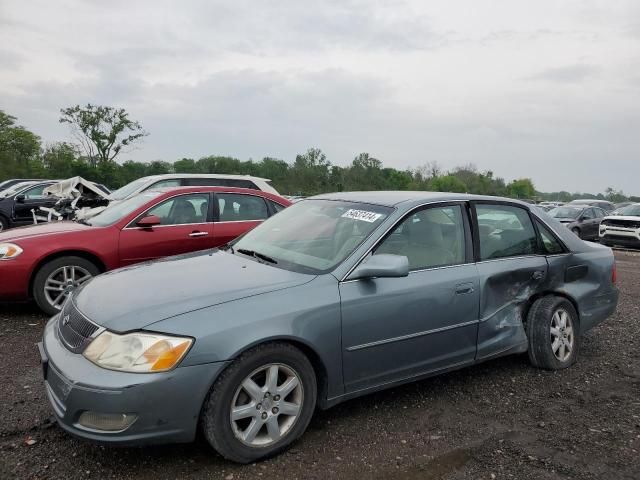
[22,233]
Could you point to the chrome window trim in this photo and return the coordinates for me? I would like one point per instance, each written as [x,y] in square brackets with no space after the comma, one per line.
[179,194]
[410,336]
[240,221]
[417,207]
[165,226]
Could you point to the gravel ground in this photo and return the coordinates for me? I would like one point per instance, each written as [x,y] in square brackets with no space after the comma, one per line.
[500,419]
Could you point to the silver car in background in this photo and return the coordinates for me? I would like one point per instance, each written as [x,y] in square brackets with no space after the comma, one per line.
[335,297]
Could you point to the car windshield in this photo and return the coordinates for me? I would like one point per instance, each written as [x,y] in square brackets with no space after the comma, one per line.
[15,189]
[629,211]
[312,236]
[114,213]
[128,189]
[566,212]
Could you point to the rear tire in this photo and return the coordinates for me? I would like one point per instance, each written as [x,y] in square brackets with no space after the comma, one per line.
[262,428]
[4,223]
[553,329]
[58,278]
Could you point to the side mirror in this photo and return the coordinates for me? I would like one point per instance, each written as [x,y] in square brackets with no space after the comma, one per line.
[381,266]
[20,198]
[149,221]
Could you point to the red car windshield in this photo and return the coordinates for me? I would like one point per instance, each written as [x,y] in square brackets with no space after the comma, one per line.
[114,213]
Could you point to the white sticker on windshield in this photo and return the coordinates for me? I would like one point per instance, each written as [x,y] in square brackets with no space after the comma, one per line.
[362,215]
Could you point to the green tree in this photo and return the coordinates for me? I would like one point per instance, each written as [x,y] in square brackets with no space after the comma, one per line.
[312,172]
[102,131]
[185,165]
[447,183]
[19,149]
[522,188]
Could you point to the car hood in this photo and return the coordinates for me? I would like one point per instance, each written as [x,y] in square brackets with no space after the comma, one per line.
[133,297]
[29,231]
[632,218]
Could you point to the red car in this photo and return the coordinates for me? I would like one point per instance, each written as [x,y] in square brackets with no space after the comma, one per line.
[47,261]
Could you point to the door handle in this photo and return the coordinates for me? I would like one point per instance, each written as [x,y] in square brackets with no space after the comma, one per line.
[198,234]
[464,288]
[538,275]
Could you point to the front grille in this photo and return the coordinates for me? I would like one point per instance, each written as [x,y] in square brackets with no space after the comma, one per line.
[616,222]
[75,329]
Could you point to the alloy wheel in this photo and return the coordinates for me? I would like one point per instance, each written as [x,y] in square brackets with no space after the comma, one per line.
[562,335]
[266,405]
[62,281]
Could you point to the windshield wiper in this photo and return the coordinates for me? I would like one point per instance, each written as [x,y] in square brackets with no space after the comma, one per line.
[261,256]
[83,222]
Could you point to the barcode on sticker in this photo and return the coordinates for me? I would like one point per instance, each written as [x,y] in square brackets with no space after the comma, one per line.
[362,215]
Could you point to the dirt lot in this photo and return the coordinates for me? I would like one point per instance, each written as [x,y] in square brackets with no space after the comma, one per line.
[501,419]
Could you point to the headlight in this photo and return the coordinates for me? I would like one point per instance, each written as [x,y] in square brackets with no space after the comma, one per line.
[137,352]
[9,251]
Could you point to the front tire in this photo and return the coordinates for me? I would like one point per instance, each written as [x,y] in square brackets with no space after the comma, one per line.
[261,403]
[576,231]
[58,278]
[4,223]
[553,329]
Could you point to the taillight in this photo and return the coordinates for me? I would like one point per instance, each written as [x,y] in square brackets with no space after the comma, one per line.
[614,273]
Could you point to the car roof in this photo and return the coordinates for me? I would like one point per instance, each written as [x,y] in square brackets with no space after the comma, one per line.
[169,176]
[210,188]
[394,198]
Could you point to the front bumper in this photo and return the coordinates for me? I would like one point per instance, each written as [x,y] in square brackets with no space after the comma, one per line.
[619,236]
[167,404]
[14,278]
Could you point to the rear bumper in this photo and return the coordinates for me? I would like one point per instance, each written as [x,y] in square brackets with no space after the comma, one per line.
[167,405]
[14,279]
[602,307]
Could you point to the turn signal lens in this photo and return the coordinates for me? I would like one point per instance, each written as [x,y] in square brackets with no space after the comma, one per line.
[9,251]
[137,352]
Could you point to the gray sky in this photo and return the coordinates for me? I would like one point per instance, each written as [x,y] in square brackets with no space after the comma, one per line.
[541,89]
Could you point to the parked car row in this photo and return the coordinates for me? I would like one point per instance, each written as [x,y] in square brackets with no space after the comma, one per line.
[23,202]
[334,297]
[49,260]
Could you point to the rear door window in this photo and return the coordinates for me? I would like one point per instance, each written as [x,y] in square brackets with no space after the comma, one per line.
[235,207]
[504,231]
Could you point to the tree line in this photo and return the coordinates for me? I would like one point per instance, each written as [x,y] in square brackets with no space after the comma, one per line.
[104,133]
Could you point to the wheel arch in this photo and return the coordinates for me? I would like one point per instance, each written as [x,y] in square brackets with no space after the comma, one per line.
[319,366]
[92,257]
[548,293]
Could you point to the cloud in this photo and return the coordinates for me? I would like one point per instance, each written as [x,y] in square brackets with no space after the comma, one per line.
[520,88]
[568,74]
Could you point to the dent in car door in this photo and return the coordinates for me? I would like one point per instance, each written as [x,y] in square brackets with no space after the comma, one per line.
[397,328]
[510,273]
